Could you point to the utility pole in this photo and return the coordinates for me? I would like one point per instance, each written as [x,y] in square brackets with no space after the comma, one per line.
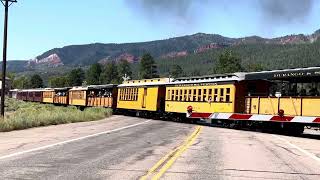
[7,4]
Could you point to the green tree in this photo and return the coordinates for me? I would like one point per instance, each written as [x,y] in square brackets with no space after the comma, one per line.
[110,74]
[148,68]
[228,63]
[195,72]
[124,69]
[11,75]
[58,81]
[176,71]
[22,82]
[76,77]
[36,81]
[255,67]
[93,74]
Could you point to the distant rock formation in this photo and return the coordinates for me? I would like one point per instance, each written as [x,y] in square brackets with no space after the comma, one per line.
[53,61]
[128,57]
[209,46]
[175,54]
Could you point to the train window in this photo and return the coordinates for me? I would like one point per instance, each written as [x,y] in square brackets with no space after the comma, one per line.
[221,94]
[172,95]
[194,95]
[168,94]
[181,95]
[189,95]
[228,95]
[215,97]
[210,94]
[199,95]
[228,91]
[227,98]
[121,94]
[126,94]
[134,94]
[177,95]
[204,95]
[185,95]
[137,94]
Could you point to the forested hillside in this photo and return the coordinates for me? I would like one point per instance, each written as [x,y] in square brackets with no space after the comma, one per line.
[173,47]
[92,53]
[265,56]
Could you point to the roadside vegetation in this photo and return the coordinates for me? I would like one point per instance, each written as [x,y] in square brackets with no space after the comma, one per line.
[23,115]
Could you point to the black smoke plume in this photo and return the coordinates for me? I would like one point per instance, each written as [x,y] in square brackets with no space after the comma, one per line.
[286,11]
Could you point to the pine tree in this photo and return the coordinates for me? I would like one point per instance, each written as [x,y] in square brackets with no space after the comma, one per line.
[110,74]
[176,71]
[21,83]
[124,69]
[36,81]
[58,81]
[228,63]
[148,68]
[93,74]
[76,77]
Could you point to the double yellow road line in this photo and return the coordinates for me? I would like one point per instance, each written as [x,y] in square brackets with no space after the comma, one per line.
[166,162]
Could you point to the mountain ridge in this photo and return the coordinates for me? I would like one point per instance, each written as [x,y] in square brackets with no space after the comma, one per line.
[200,48]
[87,54]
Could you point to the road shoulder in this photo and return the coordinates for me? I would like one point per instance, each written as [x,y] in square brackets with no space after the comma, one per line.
[24,140]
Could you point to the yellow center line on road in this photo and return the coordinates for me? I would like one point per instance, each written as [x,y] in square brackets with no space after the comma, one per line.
[167,161]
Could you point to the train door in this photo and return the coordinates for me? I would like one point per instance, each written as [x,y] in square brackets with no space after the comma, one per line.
[144,97]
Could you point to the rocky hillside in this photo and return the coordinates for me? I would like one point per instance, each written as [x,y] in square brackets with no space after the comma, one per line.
[173,47]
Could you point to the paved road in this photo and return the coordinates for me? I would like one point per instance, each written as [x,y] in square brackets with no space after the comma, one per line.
[129,148]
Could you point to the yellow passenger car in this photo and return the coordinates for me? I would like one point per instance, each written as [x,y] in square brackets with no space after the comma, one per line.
[48,95]
[142,95]
[61,96]
[78,96]
[206,94]
[291,92]
[102,95]
[93,95]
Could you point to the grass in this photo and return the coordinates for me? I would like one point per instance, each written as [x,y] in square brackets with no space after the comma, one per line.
[23,115]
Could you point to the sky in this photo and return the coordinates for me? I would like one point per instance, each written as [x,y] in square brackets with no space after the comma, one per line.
[37,26]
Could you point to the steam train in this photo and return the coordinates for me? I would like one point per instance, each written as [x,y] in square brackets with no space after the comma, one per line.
[284,100]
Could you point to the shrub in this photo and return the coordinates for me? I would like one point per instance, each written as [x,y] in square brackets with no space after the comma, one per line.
[23,115]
